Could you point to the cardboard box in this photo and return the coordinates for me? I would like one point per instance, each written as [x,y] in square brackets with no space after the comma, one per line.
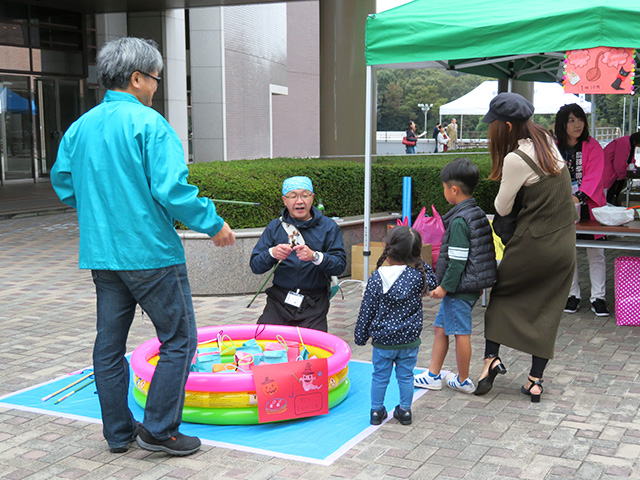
[357,258]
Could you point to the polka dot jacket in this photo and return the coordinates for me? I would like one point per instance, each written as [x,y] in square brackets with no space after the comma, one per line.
[393,318]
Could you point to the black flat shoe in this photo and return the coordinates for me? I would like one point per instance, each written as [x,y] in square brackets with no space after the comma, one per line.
[535,397]
[377,416]
[486,384]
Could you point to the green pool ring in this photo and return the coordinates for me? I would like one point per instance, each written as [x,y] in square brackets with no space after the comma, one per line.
[238,416]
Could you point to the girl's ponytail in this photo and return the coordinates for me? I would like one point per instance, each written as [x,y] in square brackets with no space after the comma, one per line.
[383,256]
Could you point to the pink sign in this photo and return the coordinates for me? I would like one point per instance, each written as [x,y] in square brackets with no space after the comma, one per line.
[292,389]
[599,70]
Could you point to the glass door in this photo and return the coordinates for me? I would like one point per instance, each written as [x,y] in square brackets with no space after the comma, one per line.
[60,105]
[17,112]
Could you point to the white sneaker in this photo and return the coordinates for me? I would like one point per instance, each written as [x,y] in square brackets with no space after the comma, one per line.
[453,381]
[425,380]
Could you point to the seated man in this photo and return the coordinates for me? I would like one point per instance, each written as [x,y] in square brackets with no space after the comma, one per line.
[308,248]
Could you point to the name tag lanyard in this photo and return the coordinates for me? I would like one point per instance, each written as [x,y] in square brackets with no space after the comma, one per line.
[294,298]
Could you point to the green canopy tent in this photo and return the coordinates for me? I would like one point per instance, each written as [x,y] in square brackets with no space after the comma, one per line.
[523,40]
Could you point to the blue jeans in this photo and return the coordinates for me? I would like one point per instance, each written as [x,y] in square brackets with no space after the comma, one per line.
[454,316]
[383,360]
[165,296]
[410,149]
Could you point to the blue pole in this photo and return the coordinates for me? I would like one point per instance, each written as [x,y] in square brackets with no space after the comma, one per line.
[406,199]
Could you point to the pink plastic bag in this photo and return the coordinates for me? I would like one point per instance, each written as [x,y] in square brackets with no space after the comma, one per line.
[627,273]
[432,230]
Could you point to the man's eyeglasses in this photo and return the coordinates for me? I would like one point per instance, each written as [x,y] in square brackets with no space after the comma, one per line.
[303,195]
[157,79]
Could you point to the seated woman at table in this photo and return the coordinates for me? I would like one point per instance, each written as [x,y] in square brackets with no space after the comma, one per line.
[585,159]
[618,154]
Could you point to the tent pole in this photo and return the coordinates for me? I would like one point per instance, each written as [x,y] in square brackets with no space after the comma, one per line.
[593,116]
[630,115]
[367,171]
[624,112]
[4,160]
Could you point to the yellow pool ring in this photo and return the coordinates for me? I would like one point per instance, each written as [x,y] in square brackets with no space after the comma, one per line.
[238,416]
[230,399]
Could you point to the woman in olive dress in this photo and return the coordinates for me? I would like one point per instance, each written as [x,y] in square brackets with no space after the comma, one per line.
[534,276]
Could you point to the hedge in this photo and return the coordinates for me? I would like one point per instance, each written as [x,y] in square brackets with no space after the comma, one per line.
[338,183]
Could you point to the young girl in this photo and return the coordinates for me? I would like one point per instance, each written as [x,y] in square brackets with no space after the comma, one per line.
[391,314]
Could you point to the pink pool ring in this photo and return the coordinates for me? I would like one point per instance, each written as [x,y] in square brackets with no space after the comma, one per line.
[229,398]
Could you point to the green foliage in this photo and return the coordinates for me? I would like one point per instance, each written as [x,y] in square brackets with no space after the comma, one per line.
[610,108]
[339,183]
[400,92]
[387,174]
[260,181]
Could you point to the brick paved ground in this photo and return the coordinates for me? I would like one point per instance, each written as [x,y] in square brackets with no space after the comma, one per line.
[586,427]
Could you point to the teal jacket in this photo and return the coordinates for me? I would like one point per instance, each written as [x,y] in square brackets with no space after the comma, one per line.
[121,165]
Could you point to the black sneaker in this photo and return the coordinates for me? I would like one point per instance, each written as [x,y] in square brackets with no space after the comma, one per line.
[178,445]
[599,307]
[377,416]
[403,416]
[125,448]
[572,305]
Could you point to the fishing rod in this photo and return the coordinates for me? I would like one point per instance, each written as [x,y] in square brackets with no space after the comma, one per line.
[237,202]
[292,244]
[74,391]
[44,399]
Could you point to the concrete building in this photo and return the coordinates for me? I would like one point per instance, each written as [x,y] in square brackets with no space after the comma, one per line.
[242,80]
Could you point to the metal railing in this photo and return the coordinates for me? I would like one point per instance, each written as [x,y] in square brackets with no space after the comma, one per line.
[605,135]
[397,136]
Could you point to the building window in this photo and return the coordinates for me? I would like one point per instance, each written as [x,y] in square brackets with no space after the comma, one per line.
[53,40]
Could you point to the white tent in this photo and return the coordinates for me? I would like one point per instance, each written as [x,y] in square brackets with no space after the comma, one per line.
[547,99]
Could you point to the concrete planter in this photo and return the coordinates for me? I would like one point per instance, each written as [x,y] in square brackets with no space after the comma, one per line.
[225,271]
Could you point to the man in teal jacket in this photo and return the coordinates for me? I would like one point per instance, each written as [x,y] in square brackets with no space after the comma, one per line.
[121,165]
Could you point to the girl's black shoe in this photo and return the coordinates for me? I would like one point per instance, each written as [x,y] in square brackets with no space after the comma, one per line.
[377,416]
[484,386]
[403,416]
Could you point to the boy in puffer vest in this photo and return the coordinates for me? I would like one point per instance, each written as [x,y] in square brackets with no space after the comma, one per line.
[466,265]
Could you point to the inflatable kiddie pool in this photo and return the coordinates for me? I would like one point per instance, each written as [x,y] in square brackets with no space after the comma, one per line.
[229,398]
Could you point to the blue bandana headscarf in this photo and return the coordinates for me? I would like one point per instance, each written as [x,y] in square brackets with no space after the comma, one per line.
[296,183]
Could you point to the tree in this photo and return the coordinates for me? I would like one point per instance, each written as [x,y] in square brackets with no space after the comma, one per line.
[609,110]
[400,92]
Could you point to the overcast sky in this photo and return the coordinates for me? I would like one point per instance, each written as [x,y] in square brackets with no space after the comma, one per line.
[383,5]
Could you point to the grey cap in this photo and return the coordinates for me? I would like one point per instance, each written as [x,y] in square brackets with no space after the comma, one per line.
[509,107]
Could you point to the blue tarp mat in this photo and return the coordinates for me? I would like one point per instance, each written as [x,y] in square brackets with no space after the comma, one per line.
[320,439]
